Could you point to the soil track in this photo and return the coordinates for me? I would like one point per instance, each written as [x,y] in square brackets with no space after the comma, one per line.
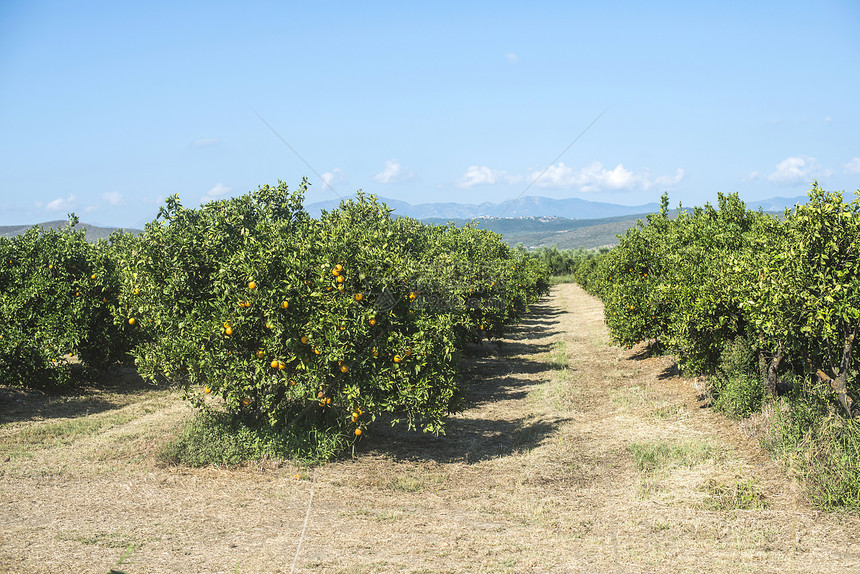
[573,456]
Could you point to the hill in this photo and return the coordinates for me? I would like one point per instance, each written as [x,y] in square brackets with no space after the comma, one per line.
[93,232]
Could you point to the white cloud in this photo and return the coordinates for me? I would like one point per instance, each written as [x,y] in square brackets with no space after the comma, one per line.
[393,173]
[218,191]
[204,142]
[595,177]
[113,197]
[329,178]
[512,58]
[798,170]
[61,204]
[483,175]
[828,119]
[752,176]
[853,166]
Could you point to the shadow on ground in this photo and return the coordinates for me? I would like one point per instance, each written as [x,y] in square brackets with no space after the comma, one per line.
[89,397]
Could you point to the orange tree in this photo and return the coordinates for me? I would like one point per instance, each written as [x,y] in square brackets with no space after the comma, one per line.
[804,299]
[310,328]
[57,296]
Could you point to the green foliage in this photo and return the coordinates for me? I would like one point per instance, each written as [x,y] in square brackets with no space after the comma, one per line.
[314,327]
[57,297]
[737,387]
[822,447]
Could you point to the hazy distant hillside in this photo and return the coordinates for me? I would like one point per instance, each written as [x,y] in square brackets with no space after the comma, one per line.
[523,207]
[563,233]
[93,232]
[532,206]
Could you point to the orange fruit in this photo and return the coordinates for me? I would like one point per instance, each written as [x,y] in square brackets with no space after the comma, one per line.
[413,295]
[260,354]
[344,368]
[246,402]
[207,390]
[281,365]
[357,432]
[317,351]
[338,267]
[228,330]
[304,340]
[93,276]
[274,364]
[252,285]
[292,382]
[397,358]
[130,320]
[372,322]
[359,296]
[340,279]
[285,304]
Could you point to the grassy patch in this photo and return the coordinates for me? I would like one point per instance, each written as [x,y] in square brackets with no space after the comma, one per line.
[558,279]
[822,448]
[741,495]
[63,432]
[652,456]
[215,438]
[558,357]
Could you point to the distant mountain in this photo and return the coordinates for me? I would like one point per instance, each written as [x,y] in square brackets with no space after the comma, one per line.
[778,204]
[92,232]
[529,206]
[533,206]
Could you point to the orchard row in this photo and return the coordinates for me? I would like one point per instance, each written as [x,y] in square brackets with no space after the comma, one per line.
[701,282]
[309,325]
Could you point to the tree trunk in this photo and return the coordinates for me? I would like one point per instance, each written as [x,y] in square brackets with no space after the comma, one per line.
[769,369]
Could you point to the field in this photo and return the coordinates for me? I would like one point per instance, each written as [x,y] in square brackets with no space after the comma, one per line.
[571,456]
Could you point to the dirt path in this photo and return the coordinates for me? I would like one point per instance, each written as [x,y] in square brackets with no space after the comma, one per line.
[573,456]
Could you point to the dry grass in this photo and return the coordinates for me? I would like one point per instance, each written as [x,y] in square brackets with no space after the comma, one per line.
[574,456]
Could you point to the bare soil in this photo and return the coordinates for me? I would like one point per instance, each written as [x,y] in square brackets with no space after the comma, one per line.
[538,474]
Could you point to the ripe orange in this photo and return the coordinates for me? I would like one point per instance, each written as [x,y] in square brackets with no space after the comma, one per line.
[228,330]
[260,354]
[357,432]
[274,364]
[397,358]
[412,295]
[130,320]
[49,266]
[93,276]
[344,368]
[207,389]
[338,267]
[304,340]
[285,304]
[317,351]
[359,296]
[372,322]
[292,382]
[281,365]
[252,285]
[340,279]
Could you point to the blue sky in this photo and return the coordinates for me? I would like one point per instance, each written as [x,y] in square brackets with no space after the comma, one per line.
[108,108]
